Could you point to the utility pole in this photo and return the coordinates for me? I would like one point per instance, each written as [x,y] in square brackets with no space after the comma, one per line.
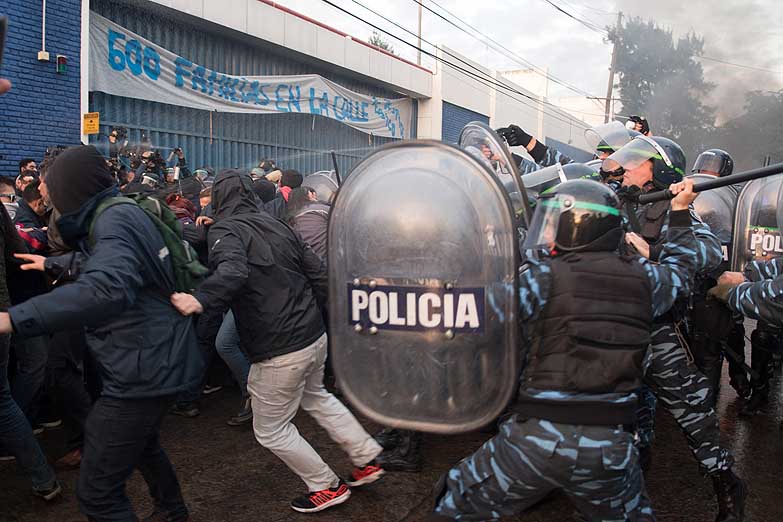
[608,109]
[418,59]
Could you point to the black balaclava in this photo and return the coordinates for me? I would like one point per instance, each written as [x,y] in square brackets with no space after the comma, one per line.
[264,189]
[76,176]
[232,194]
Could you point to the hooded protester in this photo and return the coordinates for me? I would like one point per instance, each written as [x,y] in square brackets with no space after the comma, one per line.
[274,282]
[146,352]
[264,189]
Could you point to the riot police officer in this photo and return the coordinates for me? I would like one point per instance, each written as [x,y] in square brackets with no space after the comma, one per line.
[712,330]
[577,395]
[650,164]
[757,243]
[714,162]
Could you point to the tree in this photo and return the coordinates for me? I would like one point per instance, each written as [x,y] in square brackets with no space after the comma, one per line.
[662,81]
[379,41]
[757,134]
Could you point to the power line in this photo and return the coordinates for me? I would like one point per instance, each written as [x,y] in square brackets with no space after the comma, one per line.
[486,79]
[591,8]
[489,78]
[585,23]
[486,82]
[752,67]
[505,51]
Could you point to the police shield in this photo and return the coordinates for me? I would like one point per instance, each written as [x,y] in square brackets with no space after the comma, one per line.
[323,183]
[483,143]
[780,207]
[756,233]
[422,278]
[716,208]
[607,138]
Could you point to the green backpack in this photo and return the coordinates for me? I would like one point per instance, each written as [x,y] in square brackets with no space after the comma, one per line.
[188,271]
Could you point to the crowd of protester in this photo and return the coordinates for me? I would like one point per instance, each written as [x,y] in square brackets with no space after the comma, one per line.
[56,381]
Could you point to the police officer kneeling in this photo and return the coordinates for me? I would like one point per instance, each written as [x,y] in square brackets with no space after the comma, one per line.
[589,311]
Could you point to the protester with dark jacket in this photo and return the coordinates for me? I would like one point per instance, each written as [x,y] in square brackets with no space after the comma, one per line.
[273,282]
[310,218]
[147,352]
[16,435]
[289,180]
[31,218]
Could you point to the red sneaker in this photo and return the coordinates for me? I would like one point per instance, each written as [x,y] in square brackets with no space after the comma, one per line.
[319,500]
[366,475]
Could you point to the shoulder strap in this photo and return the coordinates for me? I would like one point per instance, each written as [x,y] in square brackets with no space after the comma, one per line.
[102,206]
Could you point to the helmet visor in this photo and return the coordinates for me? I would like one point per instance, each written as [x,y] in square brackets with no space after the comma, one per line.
[634,154]
[552,210]
[708,163]
[607,138]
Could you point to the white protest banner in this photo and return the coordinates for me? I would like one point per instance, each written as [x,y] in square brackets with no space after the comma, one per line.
[123,63]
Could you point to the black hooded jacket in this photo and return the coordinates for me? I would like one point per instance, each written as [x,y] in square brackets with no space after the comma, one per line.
[269,277]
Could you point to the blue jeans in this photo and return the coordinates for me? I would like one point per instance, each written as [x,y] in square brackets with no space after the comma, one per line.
[31,355]
[227,346]
[122,435]
[16,436]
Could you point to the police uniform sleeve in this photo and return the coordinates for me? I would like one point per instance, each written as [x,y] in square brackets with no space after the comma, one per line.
[671,276]
[761,270]
[547,156]
[709,254]
[534,284]
[762,300]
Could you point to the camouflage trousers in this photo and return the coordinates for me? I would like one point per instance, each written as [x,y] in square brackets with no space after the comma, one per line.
[596,467]
[683,391]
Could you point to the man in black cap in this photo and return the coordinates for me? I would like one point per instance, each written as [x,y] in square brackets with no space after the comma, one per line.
[146,351]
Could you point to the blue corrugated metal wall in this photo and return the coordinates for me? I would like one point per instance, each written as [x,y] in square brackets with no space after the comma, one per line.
[299,141]
[455,118]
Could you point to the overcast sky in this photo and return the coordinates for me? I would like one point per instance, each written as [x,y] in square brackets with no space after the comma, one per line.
[748,32]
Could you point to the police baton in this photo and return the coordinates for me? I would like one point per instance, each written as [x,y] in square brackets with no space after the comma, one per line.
[739,177]
[336,170]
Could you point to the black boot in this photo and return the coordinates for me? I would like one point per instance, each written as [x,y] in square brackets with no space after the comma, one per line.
[762,343]
[406,456]
[731,493]
[741,384]
[758,399]
[388,438]
[645,458]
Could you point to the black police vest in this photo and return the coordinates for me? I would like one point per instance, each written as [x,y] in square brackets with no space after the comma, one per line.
[652,219]
[590,338]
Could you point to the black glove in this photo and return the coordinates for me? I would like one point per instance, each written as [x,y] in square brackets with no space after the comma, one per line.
[515,136]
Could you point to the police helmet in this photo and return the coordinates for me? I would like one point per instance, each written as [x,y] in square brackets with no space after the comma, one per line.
[578,215]
[715,162]
[668,159]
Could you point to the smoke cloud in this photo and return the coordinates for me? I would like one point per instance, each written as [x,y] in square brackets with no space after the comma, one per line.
[748,33]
